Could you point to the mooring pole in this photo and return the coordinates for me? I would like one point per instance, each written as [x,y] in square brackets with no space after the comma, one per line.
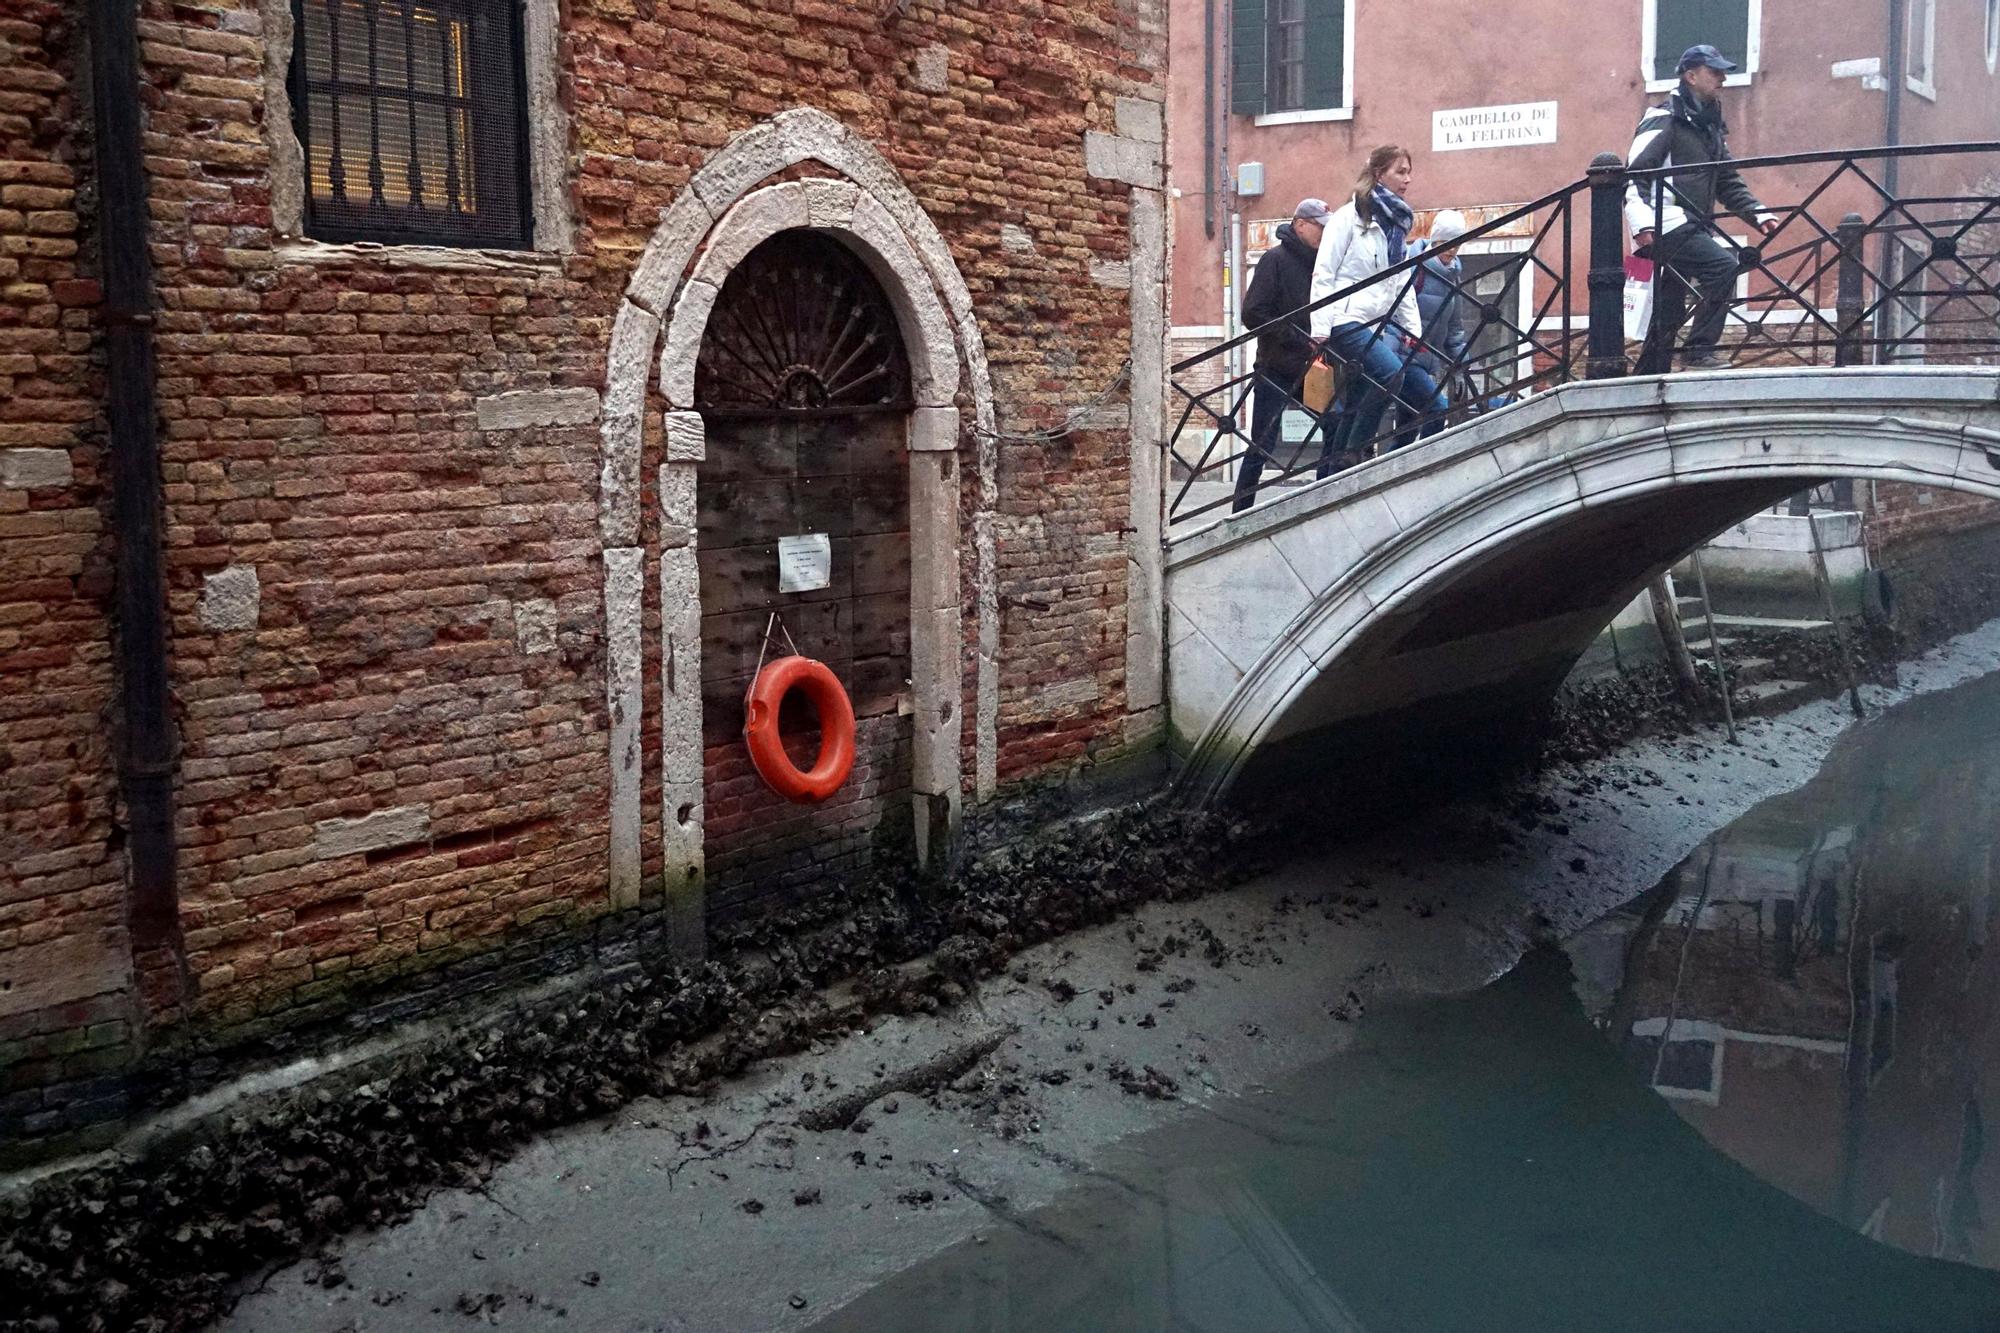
[1715,646]
[1825,581]
[1667,618]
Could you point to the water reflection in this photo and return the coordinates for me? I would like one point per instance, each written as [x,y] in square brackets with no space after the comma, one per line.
[1814,989]
[1811,993]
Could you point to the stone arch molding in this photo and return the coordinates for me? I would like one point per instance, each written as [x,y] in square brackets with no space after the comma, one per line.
[711,226]
[1312,574]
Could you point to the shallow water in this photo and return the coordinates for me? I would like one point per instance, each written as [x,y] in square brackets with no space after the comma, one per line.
[1752,1099]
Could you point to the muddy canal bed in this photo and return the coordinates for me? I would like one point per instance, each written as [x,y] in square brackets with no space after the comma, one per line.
[861,1170]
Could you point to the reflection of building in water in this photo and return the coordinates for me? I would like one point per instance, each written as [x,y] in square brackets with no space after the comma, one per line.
[1816,992]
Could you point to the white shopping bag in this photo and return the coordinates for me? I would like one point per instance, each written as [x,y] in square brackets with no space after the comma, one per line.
[1638,297]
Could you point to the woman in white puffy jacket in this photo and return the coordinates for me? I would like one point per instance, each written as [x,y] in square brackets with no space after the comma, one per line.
[1373,330]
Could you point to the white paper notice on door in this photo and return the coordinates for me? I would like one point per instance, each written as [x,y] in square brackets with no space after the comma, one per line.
[805,562]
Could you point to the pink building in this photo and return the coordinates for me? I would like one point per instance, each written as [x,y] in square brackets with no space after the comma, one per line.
[1275,100]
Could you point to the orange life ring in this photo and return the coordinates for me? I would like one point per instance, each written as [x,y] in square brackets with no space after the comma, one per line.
[836,729]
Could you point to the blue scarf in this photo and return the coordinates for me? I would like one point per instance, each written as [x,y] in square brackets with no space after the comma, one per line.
[1395,217]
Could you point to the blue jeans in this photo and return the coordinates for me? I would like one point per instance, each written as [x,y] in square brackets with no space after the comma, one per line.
[1378,371]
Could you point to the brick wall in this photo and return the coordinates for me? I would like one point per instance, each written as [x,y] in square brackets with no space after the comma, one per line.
[386,607]
[1899,513]
[65,965]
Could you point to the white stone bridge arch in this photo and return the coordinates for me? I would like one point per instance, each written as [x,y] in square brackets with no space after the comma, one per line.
[1465,575]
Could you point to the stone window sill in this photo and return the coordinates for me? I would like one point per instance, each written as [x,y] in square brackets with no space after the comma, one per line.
[1319,116]
[422,258]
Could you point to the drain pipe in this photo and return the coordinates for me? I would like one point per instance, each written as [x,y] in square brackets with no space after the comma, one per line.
[1208,119]
[146,738]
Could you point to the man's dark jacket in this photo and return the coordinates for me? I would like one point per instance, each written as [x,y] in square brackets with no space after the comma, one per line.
[1282,286]
[1685,132]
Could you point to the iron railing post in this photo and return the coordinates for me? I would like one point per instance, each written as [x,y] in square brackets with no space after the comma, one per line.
[1848,348]
[1607,267]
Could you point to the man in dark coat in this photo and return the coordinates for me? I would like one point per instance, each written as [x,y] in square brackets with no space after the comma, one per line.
[1672,217]
[1282,287]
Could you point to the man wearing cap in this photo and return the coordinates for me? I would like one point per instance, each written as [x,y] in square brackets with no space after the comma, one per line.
[1279,293]
[1672,218]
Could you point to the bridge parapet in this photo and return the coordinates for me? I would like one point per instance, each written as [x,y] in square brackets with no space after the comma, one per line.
[1840,270]
[1476,567]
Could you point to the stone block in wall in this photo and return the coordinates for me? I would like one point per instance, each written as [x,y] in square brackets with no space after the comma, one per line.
[681,228]
[34,469]
[933,68]
[934,430]
[1116,158]
[62,971]
[687,438]
[677,504]
[376,831]
[521,409]
[681,348]
[1140,119]
[535,626]
[230,600]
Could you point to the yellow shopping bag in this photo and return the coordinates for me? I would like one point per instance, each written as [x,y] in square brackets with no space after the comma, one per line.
[1321,383]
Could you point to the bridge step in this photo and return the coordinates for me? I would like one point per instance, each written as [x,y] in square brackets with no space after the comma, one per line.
[1765,697]
[1772,624]
[1742,671]
[1698,644]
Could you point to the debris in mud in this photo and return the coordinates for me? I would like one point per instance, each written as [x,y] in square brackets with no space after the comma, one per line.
[1348,1009]
[844,1111]
[1147,1082]
[752,1206]
[919,1198]
[806,1198]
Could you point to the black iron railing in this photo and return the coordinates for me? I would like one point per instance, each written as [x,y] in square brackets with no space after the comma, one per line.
[1840,266]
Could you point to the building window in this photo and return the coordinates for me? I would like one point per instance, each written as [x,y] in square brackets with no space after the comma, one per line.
[411,117]
[1907,304]
[1288,56]
[1291,59]
[1672,26]
[1920,47]
[1992,36]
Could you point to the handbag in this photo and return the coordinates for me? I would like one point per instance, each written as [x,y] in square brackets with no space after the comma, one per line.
[1322,381]
[1638,297]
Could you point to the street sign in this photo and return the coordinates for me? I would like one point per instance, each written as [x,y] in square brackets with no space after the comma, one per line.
[1493,126]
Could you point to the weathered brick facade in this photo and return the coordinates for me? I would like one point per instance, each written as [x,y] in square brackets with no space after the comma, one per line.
[387,570]
[64,959]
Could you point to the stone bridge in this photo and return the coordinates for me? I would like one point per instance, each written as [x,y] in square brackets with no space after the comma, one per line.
[1458,580]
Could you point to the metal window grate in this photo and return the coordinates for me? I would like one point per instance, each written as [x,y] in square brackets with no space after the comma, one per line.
[411,115]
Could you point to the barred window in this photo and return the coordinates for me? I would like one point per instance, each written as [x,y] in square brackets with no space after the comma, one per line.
[411,113]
